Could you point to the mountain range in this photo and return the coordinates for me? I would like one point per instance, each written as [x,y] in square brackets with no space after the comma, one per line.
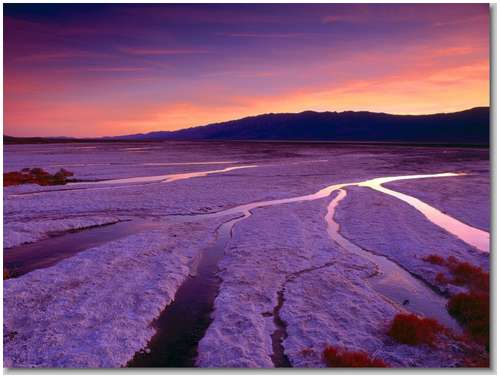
[465,127]
[468,127]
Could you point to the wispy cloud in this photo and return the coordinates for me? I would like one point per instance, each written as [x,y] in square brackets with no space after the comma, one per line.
[241,74]
[61,55]
[454,51]
[265,35]
[330,19]
[114,69]
[161,51]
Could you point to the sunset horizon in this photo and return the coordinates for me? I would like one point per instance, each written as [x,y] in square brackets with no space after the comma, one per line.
[90,70]
[245,117]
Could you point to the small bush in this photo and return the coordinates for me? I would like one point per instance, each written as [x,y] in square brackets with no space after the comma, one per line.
[434,259]
[441,279]
[6,274]
[413,330]
[337,357]
[36,176]
[472,310]
[471,276]
[464,274]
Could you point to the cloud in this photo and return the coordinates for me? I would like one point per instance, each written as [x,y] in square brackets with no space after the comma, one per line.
[114,69]
[161,51]
[340,18]
[59,55]
[241,74]
[266,35]
[455,50]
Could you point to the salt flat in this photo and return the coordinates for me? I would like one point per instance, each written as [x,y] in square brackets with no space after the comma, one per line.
[97,308]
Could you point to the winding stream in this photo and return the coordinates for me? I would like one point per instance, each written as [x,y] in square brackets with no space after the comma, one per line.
[166,178]
[130,181]
[393,281]
[183,323]
[473,236]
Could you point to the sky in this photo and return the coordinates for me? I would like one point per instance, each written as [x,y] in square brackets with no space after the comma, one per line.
[94,70]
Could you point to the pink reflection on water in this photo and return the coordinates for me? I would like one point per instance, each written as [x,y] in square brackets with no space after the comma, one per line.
[473,236]
[166,178]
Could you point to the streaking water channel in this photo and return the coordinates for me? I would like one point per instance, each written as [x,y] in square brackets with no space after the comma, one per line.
[393,281]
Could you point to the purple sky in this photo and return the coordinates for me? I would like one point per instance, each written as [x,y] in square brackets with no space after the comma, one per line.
[92,70]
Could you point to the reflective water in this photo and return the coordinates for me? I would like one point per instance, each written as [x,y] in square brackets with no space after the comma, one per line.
[470,235]
[473,236]
[42,254]
[184,322]
[165,178]
[393,282]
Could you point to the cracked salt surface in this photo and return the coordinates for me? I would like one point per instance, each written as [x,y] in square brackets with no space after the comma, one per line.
[116,290]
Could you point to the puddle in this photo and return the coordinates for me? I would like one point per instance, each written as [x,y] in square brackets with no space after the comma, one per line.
[393,281]
[42,254]
[184,322]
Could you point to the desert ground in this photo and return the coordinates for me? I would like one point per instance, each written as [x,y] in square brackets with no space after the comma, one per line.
[236,254]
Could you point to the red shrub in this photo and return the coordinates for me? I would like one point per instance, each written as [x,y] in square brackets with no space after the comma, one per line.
[411,329]
[471,276]
[14,178]
[441,279]
[434,259]
[463,273]
[36,176]
[472,310]
[337,357]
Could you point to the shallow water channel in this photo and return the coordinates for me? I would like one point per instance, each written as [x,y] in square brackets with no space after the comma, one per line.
[184,322]
[45,253]
[393,281]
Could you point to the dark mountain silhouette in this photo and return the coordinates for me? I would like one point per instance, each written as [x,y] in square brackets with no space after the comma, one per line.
[468,127]
[465,127]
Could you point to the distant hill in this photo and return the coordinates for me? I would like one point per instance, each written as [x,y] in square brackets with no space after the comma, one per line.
[465,127]
[468,127]
[35,140]
[7,139]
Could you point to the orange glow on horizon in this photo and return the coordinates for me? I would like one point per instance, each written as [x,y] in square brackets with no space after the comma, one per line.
[62,91]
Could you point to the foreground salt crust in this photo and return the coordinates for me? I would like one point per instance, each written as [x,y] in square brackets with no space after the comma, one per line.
[327,297]
[95,309]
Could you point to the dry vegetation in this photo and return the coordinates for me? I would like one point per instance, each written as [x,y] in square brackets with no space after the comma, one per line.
[341,358]
[472,308]
[36,176]
[413,330]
